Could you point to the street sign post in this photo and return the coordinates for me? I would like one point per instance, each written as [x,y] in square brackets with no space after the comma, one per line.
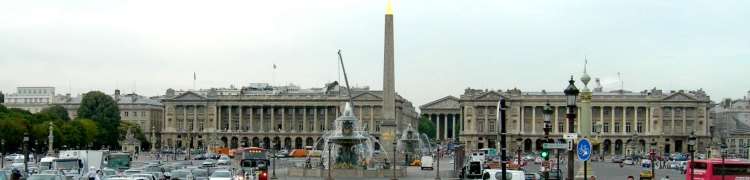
[554,146]
[584,149]
[572,136]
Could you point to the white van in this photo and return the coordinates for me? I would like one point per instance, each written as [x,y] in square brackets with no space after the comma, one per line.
[427,162]
[496,174]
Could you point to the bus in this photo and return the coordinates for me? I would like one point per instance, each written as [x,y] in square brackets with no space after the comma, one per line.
[254,160]
[713,169]
[118,161]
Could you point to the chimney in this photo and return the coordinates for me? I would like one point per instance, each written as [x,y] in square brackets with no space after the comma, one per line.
[117,94]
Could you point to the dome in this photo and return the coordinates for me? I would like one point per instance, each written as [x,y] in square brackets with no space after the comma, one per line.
[585,78]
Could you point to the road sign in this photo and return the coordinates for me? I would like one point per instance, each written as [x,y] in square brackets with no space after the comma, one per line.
[584,149]
[554,146]
[570,145]
[570,136]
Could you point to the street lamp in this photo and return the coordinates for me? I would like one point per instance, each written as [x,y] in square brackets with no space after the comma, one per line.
[275,143]
[519,143]
[571,96]
[330,166]
[440,145]
[653,157]
[26,152]
[394,161]
[547,112]
[691,147]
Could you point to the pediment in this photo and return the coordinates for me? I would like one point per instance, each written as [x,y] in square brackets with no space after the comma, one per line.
[189,96]
[678,97]
[492,95]
[448,102]
[367,96]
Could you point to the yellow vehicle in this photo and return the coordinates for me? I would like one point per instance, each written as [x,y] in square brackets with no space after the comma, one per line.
[647,174]
[416,162]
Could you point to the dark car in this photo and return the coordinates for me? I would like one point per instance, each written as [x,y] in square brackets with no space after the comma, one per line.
[617,159]
[199,157]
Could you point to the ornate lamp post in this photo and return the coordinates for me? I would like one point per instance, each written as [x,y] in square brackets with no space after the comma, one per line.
[26,152]
[547,112]
[519,143]
[330,166]
[438,161]
[50,139]
[571,98]
[275,143]
[653,157]
[691,148]
[394,161]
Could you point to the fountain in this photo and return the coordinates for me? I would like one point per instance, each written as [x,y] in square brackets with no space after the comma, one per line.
[411,142]
[348,143]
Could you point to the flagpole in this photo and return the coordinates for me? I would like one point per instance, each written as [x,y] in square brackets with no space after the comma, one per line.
[194,76]
[273,76]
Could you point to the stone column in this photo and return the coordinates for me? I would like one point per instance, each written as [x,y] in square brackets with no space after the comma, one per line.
[671,119]
[372,119]
[272,127]
[252,122]
[612,121]
[624,119]
[437,127]
[635,119]
[304,119]
[242,127]
[445,127]
[533,119]
[325,118]
[218,118]
[184,118]
[684,120]
[262,126]
[230,119]
[522,120]
[195,117]
[315,119]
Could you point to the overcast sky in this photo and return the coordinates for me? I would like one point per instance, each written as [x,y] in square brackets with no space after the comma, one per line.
[441,46]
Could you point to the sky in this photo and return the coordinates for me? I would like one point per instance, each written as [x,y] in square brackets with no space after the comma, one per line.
[441,46]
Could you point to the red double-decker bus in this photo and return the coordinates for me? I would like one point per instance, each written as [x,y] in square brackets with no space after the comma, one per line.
[253,160]
[713,169]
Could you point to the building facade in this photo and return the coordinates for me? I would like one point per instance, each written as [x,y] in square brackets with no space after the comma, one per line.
[32,99]
[647,116]
[147,113]
[258,115]
[445,113]
[732,125]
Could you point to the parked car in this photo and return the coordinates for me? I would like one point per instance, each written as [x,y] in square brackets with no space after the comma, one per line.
[11,157]
[199,157]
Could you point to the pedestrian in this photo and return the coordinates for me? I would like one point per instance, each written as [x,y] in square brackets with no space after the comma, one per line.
[631,178]
[16,174]
[91,175]
[622,164]
[592,178]
[665,178]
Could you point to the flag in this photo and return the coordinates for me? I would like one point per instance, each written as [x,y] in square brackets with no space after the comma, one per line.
[274,65]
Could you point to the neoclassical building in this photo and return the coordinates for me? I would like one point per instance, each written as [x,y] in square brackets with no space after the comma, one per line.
[652,116]
[259,114]
[147,113]
[732,123]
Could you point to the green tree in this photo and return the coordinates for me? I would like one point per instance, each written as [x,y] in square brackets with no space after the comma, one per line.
[426,126]
[2,97]
[103,110]
[73,134]
[56,111]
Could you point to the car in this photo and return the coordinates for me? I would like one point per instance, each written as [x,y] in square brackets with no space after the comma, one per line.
[496,174]
[532,176]
[180,174]
[144,175]
[426,163]
[617,159]
[529,158]
[200,174]
[221,175]
[629,161]
[646,174]
[209,163]
[50,172]
[451,162]
[130,172]
[224,160]
[646,163]
[158,175]
[46,177]
[672,165]
[11,157]
[199,157]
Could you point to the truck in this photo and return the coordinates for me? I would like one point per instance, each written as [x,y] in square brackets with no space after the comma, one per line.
[74,163]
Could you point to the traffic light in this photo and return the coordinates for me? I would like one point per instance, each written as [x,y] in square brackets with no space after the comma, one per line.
[545,154]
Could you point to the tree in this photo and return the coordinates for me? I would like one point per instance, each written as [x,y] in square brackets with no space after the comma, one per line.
[135,129]
[427,127]
[2,97]
[103,110]
[56,111]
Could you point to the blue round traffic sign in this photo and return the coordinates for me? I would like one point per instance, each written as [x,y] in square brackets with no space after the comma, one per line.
[584,149]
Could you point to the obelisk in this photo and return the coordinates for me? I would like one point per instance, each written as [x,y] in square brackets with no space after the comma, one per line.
[390,124]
